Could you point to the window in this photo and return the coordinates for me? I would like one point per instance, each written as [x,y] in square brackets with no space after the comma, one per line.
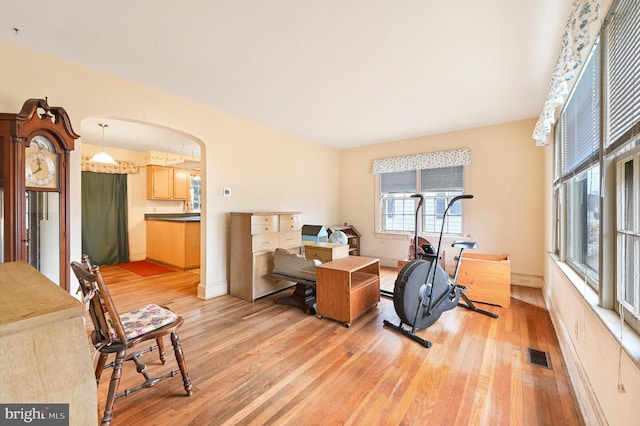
[628,234]
[623,85]
[437,185]
[579,171]
[598,141]
[623,112]
[395,201]
[583,222]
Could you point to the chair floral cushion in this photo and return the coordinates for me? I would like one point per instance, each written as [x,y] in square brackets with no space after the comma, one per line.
[146,319]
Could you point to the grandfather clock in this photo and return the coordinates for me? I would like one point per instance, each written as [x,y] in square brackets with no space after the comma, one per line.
[34,186]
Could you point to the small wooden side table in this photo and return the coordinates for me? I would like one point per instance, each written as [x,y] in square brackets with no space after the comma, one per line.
[347,287]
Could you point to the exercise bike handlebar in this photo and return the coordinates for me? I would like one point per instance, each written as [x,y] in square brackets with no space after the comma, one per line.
[459,197]
[444,216]
[415,238]
[421,199]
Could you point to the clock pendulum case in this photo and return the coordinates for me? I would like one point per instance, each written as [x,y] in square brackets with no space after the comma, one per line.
[34,188]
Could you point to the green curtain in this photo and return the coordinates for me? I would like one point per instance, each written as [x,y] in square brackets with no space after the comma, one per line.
[105,238]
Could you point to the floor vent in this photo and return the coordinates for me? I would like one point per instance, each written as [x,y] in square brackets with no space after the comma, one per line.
[539,358]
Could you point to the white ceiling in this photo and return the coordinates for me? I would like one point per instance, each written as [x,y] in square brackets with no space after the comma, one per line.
[344,73]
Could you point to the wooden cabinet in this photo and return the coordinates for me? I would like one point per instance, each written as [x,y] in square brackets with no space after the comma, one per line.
[45,354]
[168,183]
[353,236]
[175,243]
[181,184]
[254,237]
[325,252]
[488,277]
[347,287]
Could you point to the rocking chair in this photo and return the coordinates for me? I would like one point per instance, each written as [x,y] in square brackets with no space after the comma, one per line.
[118,333]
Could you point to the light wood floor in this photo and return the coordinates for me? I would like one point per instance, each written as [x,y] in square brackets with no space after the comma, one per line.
[261,363]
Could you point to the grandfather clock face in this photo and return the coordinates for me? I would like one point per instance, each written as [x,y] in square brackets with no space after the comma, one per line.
[42,206]
[41,164]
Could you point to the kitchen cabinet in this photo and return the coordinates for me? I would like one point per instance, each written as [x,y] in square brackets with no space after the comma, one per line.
[181,184]
[174,242]
[168,183]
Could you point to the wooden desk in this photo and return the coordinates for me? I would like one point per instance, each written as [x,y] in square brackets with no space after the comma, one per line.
[45,356]
[347,287]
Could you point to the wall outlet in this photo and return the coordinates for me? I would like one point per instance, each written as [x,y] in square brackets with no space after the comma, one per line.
[225,192]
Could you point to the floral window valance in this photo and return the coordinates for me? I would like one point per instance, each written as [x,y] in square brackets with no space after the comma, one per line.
[585,15]
[122,168]
[430,160]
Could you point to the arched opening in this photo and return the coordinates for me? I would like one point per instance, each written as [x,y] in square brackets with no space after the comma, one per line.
[139,148]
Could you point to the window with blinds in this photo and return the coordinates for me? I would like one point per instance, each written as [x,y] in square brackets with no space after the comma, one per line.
[437,185]
[623,146]
[577,159]
[623,73]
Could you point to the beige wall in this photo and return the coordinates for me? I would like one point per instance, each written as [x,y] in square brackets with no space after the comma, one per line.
[266,169]
[505,177]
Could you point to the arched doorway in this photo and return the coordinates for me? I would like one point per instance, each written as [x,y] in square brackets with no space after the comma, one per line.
[141,144]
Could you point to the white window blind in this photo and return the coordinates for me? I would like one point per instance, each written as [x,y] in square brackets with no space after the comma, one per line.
[442,179]
[580,119]
[624,70]
[398,182]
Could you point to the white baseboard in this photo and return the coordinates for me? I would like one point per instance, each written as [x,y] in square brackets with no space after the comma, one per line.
[209,291]
[526,280]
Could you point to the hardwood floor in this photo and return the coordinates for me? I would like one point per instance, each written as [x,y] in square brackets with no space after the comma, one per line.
[261,363]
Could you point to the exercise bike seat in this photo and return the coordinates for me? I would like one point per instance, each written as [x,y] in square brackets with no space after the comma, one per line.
[465,244]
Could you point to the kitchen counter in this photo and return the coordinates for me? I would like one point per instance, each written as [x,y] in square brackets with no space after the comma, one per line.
[174,239]
[173,217]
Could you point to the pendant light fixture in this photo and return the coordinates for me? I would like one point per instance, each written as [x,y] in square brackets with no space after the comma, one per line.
[102,156]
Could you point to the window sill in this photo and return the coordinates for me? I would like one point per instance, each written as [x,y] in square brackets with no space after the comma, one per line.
[627,337]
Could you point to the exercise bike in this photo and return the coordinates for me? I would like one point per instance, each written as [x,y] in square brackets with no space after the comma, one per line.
[424,290]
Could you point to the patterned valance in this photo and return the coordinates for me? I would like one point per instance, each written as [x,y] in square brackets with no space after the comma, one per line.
[122,168]
[430,160]
[585,14]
